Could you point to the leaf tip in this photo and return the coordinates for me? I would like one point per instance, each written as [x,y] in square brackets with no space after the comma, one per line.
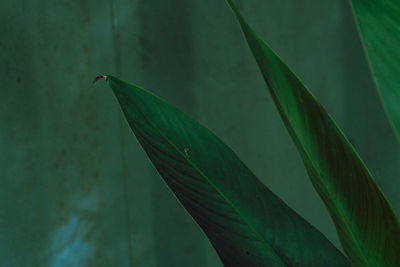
[105,77]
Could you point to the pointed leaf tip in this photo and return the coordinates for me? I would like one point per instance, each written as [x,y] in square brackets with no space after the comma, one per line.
[105,77]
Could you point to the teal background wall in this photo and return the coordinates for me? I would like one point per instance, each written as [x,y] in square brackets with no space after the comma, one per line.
[76,189]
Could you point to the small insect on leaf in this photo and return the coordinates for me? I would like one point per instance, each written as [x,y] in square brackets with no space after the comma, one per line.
[186,150]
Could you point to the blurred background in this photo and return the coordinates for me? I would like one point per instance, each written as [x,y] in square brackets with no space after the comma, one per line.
[76,188]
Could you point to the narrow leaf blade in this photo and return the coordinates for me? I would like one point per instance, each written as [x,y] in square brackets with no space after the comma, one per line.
[378,23]
[368,229]
[246,223]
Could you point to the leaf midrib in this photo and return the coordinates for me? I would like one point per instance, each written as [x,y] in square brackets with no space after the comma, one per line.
[305,152]
[295,135]
[172,144]
[277,102]
[343,215]
[228,201]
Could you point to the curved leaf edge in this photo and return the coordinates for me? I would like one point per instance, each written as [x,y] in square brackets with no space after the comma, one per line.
[392,124]
[109,78]
[294,136]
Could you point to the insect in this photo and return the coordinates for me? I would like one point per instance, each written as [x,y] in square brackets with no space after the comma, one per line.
[186,150]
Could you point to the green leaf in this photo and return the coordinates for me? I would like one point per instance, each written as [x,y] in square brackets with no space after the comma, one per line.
[378,23]
[246,223]
[367,227]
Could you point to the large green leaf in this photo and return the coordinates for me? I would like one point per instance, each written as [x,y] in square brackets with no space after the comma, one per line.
[246,223]
[366,224]
[379,27]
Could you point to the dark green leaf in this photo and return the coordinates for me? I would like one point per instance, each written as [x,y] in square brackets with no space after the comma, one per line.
[379,27]
[246,223]
[367,226]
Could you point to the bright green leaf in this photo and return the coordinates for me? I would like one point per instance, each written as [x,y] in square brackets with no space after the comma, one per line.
[378,23]
[367,227]
[246,223]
